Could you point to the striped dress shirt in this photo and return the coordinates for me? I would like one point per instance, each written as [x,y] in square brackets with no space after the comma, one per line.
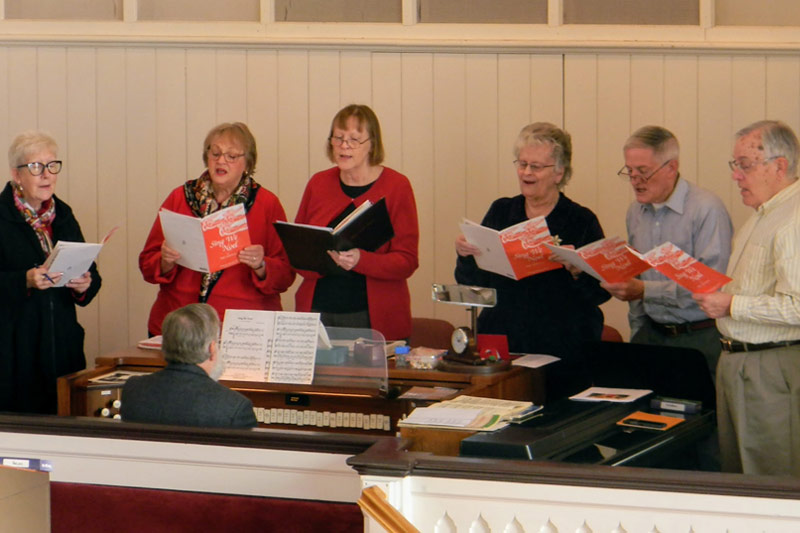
[765,267]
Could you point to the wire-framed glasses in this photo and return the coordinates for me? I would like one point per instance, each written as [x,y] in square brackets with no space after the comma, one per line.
[745,165]
[628,173]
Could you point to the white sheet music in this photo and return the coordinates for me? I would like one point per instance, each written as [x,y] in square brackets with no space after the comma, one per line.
[269,346]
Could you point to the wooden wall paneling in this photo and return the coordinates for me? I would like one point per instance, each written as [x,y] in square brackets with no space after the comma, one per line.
[581,120]
[387,98]
[231,92]
[418,165]
[748,105]
[783,90]
[446,193]
[355,80]
[142,184]
[171,149]
[262,115]
[23,90]
[51,71]
[647,90]
[201,107]
[614,119]
[715,126]
[486,148]
[120,275]
[325,98]
[79,150]
[680,110]
[547,88]
[513,113]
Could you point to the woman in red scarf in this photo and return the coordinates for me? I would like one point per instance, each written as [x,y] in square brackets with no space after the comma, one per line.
[42,338]
[263,272]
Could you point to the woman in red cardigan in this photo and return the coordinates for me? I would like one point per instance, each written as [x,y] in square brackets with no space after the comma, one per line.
[263,272]
[369,289]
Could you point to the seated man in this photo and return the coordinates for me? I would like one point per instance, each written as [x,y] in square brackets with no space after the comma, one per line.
[186,392]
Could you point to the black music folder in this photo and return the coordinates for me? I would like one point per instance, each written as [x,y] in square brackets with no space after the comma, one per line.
[368,227]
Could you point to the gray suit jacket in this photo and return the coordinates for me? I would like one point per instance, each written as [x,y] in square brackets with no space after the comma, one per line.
[184,395]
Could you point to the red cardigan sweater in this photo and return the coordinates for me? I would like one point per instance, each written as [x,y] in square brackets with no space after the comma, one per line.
[388,268]
[238,287]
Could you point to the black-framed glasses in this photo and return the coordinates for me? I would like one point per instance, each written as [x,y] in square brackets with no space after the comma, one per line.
[628,173]
[746,165]
[37,167]
[230,158]
[535,167]
[337,140]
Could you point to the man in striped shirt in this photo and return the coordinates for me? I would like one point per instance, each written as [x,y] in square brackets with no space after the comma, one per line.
[758,313]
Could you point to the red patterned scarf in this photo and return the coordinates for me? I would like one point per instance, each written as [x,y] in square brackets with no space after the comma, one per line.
[40,222]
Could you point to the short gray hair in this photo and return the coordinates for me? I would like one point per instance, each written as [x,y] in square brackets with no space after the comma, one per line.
[660,140]
[27,143]
[188,332]
[546,133]
[777,140]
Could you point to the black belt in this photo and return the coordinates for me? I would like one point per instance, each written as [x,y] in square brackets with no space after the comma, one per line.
[735,346]
[673,330]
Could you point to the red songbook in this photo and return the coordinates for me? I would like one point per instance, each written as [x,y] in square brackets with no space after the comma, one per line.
[608,259]
[684,269]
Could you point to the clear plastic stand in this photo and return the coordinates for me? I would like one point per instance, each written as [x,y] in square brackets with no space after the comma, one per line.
[355,361]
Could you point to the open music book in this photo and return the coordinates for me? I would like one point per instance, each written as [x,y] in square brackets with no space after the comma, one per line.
[367,227]
[271,346]
[515,252]
[73,259]
[210,243]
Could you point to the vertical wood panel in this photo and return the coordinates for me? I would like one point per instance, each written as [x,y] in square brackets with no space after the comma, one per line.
[482,136]
[547,88]
[23,90]
[201,107]
[171,149]
[355,82]
[581,120]
[783,90]
[387,99]
[647,90]
[293,139]
[81,156]
[51,66]
[715,125]
[120,276]
[231,69]
[680,110]
[446,202]
[262,115]
[324,101]
[418,164]
[513,113]
[142,184]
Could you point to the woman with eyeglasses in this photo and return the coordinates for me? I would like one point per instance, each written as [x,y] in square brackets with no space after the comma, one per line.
[368,289]
[555,312]
[42,338]
[263,272]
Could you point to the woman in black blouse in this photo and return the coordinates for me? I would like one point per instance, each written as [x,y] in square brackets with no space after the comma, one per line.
[556,312]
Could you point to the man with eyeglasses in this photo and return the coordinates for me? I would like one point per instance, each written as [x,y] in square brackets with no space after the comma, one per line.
[669,208]
[758,313]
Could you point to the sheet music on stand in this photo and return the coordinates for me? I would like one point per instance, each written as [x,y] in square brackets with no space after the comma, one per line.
[292,347]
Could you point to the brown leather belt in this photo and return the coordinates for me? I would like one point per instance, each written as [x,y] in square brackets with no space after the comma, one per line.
[735,346]
[673,330]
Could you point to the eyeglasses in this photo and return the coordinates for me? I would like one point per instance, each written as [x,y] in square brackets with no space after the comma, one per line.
[629,173]
[746,166]
[352,143]
[535,167]
[37,168]
[230,158]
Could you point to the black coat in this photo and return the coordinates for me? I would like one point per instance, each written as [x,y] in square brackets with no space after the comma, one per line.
[550,313]
[40,337]
[184,395]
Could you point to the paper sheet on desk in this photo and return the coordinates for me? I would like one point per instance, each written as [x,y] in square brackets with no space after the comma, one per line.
[535,360]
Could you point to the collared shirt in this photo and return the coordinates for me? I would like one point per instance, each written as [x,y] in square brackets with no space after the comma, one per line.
[696,221]
[765,267]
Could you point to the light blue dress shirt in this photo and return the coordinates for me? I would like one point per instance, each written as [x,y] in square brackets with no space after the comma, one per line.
[696,221]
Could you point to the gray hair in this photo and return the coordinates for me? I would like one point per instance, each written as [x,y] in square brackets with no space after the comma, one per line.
[540,133]
[27,143]
[777,140]
[660,140]
[188,332]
